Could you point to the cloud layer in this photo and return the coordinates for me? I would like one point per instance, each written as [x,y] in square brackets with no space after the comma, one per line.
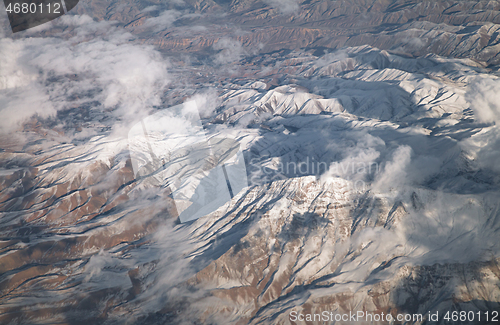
[92,64]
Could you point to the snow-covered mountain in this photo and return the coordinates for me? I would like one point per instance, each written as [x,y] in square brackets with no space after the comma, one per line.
[369,137]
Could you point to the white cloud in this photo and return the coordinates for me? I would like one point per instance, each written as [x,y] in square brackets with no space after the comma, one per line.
[163,21]
[360,161]
[231,50]
[150,8]
[484,98]
[394,174]
[207,102]
[285,6]
[11,76]
[93,62]
[17,106]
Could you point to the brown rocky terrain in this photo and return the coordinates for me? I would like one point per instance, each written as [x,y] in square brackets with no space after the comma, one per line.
[84,240]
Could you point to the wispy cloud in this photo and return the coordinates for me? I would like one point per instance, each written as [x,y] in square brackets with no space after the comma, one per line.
[230,50]
[165,20]
[285,6]
[484,98]
[94,63]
